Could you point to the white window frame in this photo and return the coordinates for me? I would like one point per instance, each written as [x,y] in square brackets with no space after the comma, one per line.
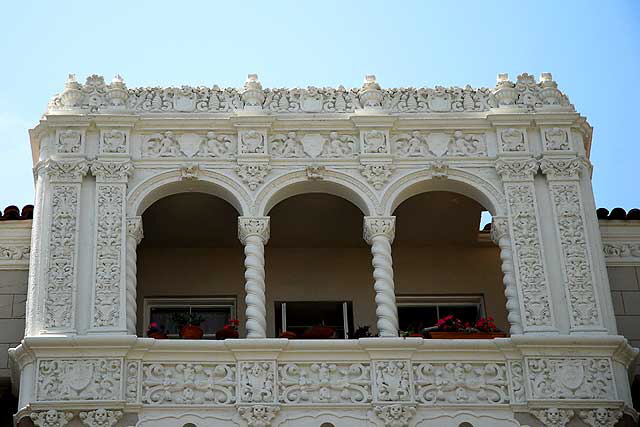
[189,302]
[345,314]
[439,300]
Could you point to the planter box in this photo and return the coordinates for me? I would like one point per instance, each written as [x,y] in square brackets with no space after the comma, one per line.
[467,336]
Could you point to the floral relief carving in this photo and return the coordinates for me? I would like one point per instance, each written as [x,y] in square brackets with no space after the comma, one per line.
[96,96]
[582,300]
[188,384]
[556,139]
[517,381]
[15,253]
[375,226]
[571,378]
[553,417]
[461,383]
[100,417]
[66,170]
[81,379]
[528,255]
[252,142]
[51,418]
[258,415]
[111,171]
[377,174]
[517,170]
[613,250]
[69,141]
[110,223]
[253,174]
[375,142]
[392,380]
[512,140]
[214,145]
[61,282]
[257,382]
[395,415]
[601,417]
[162,145]
[132,380]
[561,168]
[253,226]
[324,383]
[114,141]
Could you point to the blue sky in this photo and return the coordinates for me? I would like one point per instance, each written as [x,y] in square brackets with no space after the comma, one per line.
[592,48]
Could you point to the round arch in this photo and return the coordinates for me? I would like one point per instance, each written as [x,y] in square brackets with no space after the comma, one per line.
[168,183]
[457,181]
[332,182]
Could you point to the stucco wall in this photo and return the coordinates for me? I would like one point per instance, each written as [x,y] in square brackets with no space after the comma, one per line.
[13,294]
[625,290]
[322,273]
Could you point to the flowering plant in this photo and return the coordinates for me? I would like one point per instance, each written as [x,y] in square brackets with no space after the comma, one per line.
[485,325]
[449,323]
[232,325]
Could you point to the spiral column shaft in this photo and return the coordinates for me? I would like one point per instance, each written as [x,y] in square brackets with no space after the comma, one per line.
[134,237]
[379,233]
[500,235]
[254,234]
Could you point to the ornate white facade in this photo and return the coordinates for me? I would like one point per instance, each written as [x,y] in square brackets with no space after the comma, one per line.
[105,153]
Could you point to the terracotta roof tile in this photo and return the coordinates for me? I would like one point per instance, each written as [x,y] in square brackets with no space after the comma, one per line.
[13,213]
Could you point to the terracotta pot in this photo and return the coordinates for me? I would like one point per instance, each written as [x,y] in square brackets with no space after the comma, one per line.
[288,334]
[191,332]
[319,333]
[467,335]
[223,334]
[158,335]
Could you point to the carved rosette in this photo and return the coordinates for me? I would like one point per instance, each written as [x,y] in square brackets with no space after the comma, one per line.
[379,232]
[135,234]
[100,417]
[500,235]
[110,235]
[531,275]
[553,417]
[254,234]
[59,304]
[258,415]
[51,418]
[601,417]
[395,415]
[584,311]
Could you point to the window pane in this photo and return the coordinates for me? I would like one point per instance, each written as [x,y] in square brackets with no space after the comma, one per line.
[214,318]
[304,315]
[415,318]
[464,313]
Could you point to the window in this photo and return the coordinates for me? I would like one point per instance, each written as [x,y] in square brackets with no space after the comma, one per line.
[298,316]
[417,312]
[216,313]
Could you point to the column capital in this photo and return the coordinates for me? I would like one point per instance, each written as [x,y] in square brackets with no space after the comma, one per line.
[523,169]
[253,226]
[499,228]
[379,225]
[71,170]
[562,168]
[111,171]
[134,228]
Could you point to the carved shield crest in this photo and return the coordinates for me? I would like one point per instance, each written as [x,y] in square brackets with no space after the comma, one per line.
[311,104]
[80,375]
[438,143]
[313,143]
[189,143]
[571,374]
[184,103]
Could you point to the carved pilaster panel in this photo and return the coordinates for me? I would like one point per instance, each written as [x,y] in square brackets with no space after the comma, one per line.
[110,246]
[321,382]
[461,383]
[582,299]
[78,379]
[257,382]
[570,378]
[132,381]
[392,381]
[531,275]
[61,276]
[517,381]
[188,384]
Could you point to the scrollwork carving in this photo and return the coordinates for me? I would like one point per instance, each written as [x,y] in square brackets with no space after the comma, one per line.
[570,378]
[392,380]
[66,170]
[253,174]
[14,253]
[395,415]
[257,382]
[553,417]
[561,168]
[78,379]
[629,250]
[258,415]
[512,140]
[100,417]
[601,417]
[51,418]
[69,141]
[376,174]
[114,141]
[517,170]
[253,142]
[107,171]
[556,139]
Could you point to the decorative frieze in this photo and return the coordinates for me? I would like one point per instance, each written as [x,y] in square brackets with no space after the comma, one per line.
[78,379]
[252,142]
[161,145]
[570,378]
[257,382]
[512,140]
[14,252]
[438,144]
[622,251]
[461,383]
[217,146]
[322,382]
[375,141]
[188,384]
[392,381]
[59,303]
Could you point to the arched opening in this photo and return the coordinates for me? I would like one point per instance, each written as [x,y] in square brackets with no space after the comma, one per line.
[444,264]
[190,261]
[318,267]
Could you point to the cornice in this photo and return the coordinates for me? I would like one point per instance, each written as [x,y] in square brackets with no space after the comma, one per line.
[620,242]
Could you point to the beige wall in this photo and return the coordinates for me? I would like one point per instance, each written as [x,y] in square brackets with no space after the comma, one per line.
[625,291]
[322,274]
[13,295]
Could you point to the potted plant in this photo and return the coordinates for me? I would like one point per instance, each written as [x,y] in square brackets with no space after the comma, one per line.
[230,330]
[450,327]
[189,324]
[319,332]
[156,331]
[288,334]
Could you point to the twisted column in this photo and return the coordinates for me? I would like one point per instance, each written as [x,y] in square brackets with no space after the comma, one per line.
[253,232]
[134,237]
[379,232]
[500,235]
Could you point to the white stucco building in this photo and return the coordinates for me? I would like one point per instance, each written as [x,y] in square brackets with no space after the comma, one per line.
[287,208]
